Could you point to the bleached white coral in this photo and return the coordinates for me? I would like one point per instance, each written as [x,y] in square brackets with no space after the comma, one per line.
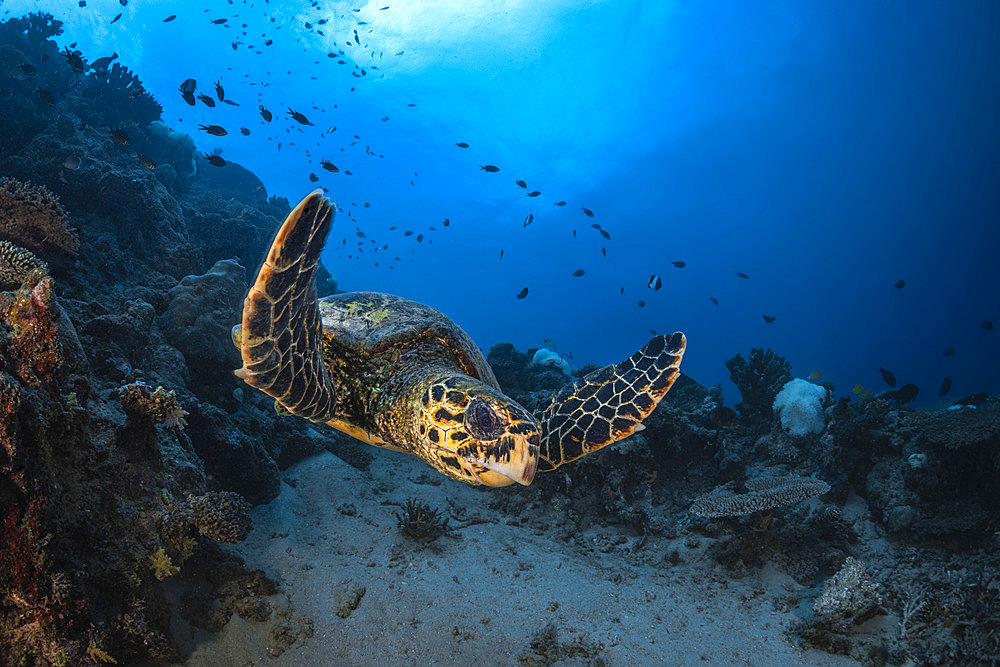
[800,406]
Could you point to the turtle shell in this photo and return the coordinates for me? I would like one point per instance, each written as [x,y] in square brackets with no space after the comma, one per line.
[371,323]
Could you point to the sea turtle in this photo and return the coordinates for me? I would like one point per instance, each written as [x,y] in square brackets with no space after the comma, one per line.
[398,374]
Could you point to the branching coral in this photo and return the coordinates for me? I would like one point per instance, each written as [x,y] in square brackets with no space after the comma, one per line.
[33,217]
[16,263]
[759,381]
[763,493]
[33,344]
[121,97]
[159,407]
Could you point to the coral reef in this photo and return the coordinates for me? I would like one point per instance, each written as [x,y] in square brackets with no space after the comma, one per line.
[759,379]
[848,597]
[223,516]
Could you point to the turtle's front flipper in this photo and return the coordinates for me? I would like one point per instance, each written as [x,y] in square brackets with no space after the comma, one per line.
[281,337]
[607,405]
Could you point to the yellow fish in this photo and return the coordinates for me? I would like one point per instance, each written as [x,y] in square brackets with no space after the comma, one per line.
[859,389]
[815,375]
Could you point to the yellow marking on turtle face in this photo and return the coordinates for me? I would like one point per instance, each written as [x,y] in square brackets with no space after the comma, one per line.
[352,309]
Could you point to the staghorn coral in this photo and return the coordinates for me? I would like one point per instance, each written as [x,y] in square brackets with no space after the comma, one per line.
[763,493]
[16,263]
[223,516]
[32,342]
[759,381]
[33,217]
[159,407]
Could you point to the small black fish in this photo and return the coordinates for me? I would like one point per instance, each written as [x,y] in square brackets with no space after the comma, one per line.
[559,203]
[420,238]
[722,417]
[578,273]
[521,184]
[123,3]
[533,193]
[714,300]
[298,117]
[45,96]
[742,275]
[219,92]
[988,325]
[170,18]
[119,137]
[74,60]
[528,220]
[408,232]
[146,162]
[214,130]
[329,166]
[889,378]
[604,251]
[587,211]
[265,114]
[973,399]
[945,386]
[215,160]
[27,69]
[642,304]
[948,351]
[523,293]
[900,284]
[490,168]
[219,21]
[622,290]
[906,393]
[209,102]
[606,234]
[313,177]
[447,222]
[115,19]
[679,264]
[461,144]
[245,131]
[501,254]
[768,319]
[654,282]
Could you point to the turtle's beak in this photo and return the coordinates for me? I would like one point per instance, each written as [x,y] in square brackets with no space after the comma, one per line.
[514,459]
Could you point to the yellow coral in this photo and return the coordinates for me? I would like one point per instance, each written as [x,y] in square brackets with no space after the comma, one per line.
[161,565]
[97,654]
[32,216]
[16,263]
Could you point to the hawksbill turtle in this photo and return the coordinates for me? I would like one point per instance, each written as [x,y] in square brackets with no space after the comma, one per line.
[401,375]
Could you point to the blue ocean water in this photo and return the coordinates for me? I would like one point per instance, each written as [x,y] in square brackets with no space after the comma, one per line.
[825,150]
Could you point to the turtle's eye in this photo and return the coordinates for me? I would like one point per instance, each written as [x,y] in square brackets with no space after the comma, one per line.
[482,422]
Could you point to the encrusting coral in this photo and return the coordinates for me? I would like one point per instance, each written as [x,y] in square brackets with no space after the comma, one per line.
[32,216]
[763,493]
[32,341]
[223,516]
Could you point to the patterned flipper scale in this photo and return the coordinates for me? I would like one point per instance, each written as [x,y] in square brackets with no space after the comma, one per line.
[609,404]
[281,338]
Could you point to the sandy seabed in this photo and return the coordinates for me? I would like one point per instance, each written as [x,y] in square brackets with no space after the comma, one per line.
[484,593]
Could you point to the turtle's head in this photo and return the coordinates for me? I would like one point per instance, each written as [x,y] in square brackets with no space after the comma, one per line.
[470,431]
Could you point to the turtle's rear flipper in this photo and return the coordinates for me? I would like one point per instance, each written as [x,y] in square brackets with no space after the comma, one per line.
[281,338]
[609,404]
